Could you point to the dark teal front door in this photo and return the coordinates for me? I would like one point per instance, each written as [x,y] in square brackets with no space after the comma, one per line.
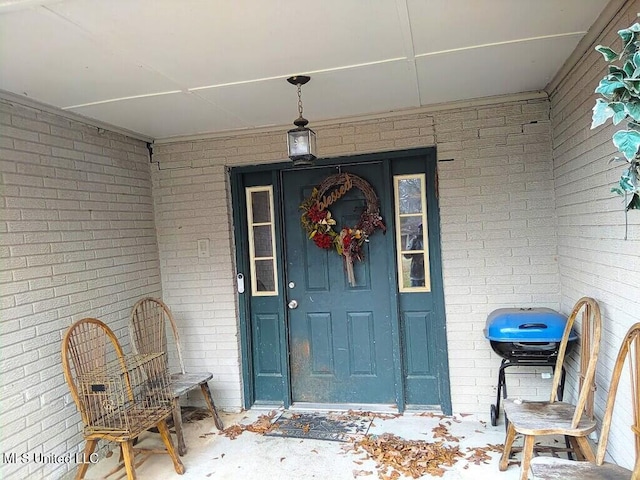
[308,335]
[340,334]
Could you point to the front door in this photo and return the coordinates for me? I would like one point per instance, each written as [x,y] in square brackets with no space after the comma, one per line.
[340,332]
[313,333]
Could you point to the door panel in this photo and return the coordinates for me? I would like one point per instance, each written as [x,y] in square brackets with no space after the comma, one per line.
[420,299]
[340,335]
[263,332]
[267,335]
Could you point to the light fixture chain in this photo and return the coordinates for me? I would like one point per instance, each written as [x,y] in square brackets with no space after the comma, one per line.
[300,100]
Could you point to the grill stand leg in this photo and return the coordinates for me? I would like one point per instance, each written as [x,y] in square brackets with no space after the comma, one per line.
[502,391]
[567,439]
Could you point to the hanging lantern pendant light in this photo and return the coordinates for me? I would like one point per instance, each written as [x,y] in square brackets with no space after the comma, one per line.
[301,141]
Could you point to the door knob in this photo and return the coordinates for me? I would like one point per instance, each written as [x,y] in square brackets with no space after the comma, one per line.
[293,304]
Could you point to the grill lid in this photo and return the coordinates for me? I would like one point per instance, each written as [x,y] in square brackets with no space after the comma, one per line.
[526,325]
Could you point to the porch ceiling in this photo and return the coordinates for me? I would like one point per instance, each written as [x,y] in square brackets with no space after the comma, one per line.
[164,68]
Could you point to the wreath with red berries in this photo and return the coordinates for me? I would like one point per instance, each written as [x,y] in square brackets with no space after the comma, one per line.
[321,227]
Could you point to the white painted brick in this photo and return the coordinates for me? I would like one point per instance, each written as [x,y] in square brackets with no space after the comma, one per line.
[43,257]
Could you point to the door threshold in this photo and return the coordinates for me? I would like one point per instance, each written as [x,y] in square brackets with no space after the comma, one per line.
[343,407]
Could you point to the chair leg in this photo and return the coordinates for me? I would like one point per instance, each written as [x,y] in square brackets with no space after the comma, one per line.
[570,448]
[585,449]
[576,449]
[89,447]
[508,443]
[129,465]
[177,423]
[527,454]
[166,438]
[209,399]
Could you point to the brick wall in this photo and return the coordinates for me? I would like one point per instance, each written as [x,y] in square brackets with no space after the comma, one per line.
[595,260]
[498,237]
[497,216]
[77,239]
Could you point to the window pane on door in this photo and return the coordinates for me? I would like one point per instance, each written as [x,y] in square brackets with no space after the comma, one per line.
[410,194]
[412,236]
[261,206]
[265,276]
[262,251]
[262,241]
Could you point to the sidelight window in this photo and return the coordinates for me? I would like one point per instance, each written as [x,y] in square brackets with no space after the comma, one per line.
[262,248]
[411,233]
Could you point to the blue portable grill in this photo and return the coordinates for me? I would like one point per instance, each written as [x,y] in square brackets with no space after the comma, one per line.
[525,337]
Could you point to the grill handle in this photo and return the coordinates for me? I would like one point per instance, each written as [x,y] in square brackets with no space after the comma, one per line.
[524,326]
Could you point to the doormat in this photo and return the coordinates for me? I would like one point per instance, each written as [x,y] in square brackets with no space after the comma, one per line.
[338,427]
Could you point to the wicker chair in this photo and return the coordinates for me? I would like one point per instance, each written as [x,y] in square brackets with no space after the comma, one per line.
[549,468]
[575,422]
[148,334]
[118,396]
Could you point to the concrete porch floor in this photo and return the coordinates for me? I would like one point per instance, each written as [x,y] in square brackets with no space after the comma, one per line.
[255,456]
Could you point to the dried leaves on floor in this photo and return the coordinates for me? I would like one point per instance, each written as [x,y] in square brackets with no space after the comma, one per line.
[261,426]
[396,456]
[442,431]
[480,455]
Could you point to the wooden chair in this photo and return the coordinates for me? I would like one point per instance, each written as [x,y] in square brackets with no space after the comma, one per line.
[118,396]
[575,422]
[549,468]
[148,334]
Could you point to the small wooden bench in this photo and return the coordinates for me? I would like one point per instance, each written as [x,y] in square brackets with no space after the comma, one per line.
[147,328]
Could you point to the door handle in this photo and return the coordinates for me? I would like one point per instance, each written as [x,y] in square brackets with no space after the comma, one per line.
[292,304]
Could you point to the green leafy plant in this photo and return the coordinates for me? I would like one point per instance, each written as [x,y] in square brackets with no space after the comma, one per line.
[620,89]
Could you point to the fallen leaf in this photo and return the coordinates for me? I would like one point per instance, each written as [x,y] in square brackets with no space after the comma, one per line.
[262,425]
[441,431]
[478,456]
[432,415]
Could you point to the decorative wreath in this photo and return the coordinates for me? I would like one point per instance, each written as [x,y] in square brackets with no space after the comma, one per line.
[317,221]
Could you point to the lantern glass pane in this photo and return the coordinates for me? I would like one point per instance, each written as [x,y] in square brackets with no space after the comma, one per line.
[299,142]
[312,143]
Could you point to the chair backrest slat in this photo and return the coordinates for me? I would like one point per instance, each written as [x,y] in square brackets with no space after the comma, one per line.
[591,327]
[149,317]
[629,353]
[85,348]
[634,370]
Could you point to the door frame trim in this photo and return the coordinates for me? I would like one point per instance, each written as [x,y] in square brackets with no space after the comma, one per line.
[240,233]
